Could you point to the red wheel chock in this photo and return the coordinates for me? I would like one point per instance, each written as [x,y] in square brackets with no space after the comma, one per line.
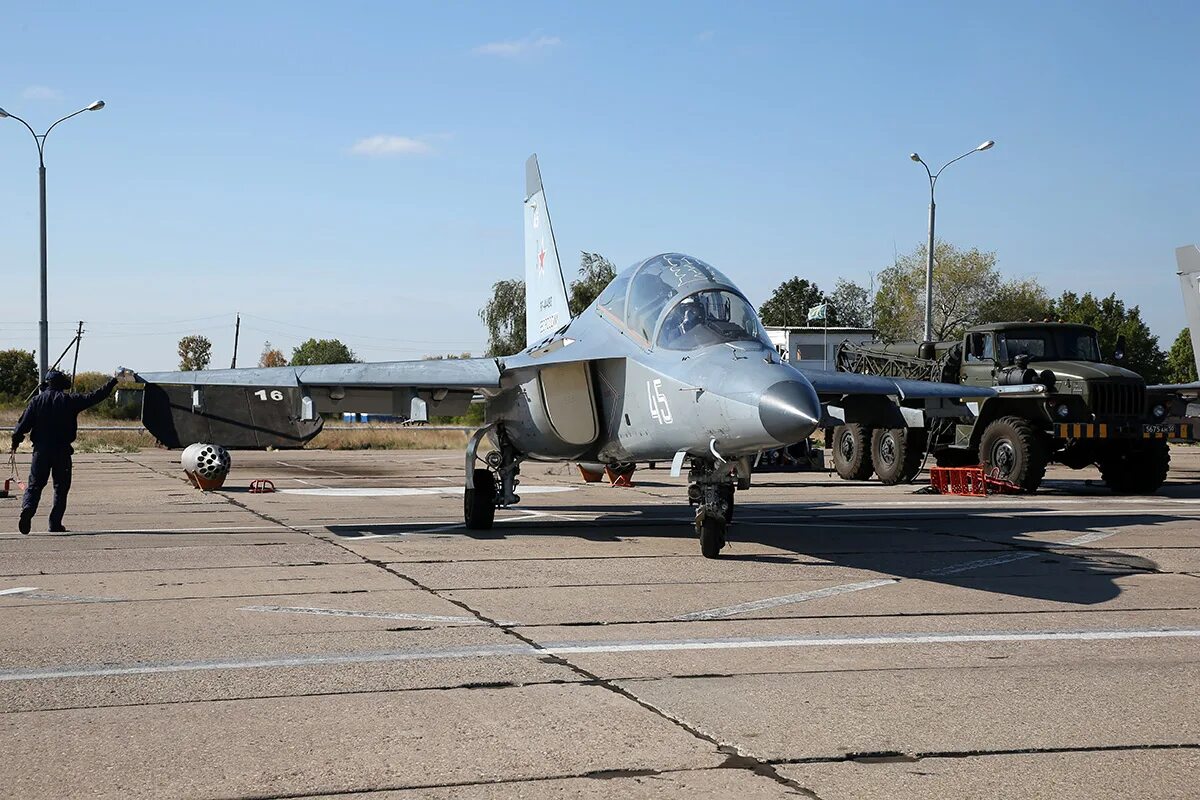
[262,486]
[620,477]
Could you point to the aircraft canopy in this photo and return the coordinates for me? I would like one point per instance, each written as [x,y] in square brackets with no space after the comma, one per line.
[700,305]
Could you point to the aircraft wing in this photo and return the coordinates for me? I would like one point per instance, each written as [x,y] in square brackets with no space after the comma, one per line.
[1184,389]
[830,384]
[281,407]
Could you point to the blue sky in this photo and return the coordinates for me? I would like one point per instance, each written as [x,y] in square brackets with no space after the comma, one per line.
[357,169]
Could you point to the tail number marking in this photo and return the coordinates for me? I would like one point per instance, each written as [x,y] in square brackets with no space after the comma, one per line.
[659,409]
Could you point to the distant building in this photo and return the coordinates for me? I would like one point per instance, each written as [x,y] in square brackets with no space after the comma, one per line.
[815,347]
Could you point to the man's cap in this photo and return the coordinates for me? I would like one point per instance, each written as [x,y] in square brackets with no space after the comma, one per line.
[57,380]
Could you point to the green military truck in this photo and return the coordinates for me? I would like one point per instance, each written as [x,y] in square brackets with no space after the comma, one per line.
[1057,402]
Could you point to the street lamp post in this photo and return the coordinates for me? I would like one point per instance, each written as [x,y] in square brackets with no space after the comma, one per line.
[933,176]
[40,140]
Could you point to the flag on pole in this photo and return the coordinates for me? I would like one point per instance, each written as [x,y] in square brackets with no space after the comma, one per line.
[816,312]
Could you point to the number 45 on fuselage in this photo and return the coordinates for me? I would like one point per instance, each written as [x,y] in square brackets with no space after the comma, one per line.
[669,364]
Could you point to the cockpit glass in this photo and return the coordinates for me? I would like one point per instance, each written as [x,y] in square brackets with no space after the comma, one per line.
[612,299]
[707,318]
[638,296]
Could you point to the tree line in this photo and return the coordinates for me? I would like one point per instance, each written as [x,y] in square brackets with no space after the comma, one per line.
[969,289]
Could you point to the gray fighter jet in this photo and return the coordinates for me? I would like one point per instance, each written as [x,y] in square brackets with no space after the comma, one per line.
[669,364]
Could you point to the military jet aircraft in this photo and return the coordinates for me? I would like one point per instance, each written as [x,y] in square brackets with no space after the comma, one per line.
[669,364]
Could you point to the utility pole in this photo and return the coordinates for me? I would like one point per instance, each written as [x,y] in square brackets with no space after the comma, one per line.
[933,176]
[75,363]
[40,140]
[237,330]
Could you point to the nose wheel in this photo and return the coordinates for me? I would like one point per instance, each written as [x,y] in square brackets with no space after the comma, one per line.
[711,491]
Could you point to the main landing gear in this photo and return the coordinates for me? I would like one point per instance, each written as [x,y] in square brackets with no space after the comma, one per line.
[710,490]
[492,486]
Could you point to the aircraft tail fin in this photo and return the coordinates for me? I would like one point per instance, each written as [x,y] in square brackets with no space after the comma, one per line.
[1188,259]
[546,307]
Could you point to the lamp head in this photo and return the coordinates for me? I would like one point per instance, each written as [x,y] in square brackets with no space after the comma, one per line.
[99,104]
[988,145]
[914,156]
[3,113]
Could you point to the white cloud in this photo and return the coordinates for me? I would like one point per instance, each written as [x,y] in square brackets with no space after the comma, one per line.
[515,48]
[41,93]
[384,145]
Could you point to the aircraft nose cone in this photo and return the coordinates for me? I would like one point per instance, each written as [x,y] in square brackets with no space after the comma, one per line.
[789,411]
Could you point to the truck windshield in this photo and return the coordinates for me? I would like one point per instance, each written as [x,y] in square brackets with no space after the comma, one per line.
[1044,344]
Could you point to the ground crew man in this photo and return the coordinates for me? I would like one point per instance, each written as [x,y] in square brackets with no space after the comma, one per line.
[51,420]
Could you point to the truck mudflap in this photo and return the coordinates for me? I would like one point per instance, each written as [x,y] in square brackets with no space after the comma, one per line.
[1103,430]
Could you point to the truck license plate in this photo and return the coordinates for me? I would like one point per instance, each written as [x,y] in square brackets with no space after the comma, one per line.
[1158,428]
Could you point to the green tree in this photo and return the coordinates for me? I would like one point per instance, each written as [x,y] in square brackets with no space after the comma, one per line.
[89,381]
[322,351]
[789,304]
[272,356]
[1016,300]
[1181,359]
[1112,319]
[963,280]
[504,317]
[18,375]
[595,272]
[194,353]
[850,305]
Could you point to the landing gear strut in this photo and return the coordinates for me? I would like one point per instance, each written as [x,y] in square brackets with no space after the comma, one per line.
[710,490]
[492,486]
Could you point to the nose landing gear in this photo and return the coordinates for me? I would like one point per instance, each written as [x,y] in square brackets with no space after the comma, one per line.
[710,490]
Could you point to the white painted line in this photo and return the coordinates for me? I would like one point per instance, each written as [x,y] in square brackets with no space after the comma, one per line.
[967,566]
[787,599]
[72,598]
[1006,558]
[528,515]
[227,529]
[599,648]
[19,590]
[399,491]
[774,521]
[338,612]
[853,641]
[832,591]
[1087,538]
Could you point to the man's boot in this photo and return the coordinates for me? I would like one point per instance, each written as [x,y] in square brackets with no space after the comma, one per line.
[26,520]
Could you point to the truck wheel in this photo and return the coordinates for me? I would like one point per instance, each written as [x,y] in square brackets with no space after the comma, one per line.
[1136,467]
[852,452]
[479,504]
[897,454]
[1012,450]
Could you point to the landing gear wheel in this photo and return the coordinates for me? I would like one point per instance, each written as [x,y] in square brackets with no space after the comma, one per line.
[712,535]
[1136,467]
[1012,450]
[897,454]
[852,452]
[479,504]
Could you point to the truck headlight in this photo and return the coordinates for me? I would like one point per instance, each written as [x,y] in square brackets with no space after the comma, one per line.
[1063,411]
[1159,411]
